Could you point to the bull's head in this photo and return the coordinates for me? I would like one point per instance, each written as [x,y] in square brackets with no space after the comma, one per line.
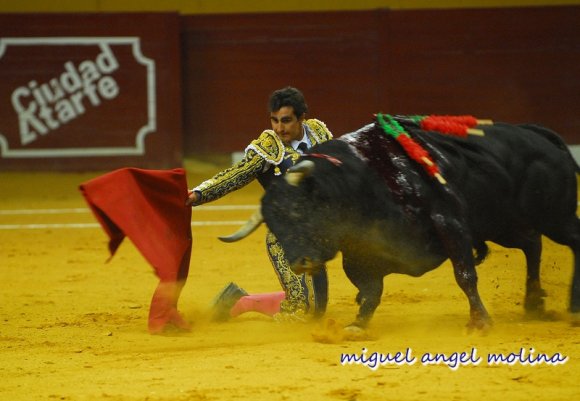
[293,177]
[296,219]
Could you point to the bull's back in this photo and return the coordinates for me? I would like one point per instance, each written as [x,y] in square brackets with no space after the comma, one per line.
[516,146]
[517,177]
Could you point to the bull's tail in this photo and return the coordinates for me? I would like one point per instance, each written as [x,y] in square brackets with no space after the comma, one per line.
[554,138]
[481,250]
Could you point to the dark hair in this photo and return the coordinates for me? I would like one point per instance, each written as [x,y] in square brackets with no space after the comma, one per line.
[288,96]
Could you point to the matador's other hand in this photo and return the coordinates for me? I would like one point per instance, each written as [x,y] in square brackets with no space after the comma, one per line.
[192,198]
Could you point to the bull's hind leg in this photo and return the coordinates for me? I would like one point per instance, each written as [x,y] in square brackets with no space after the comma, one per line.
[575,290]
[574,245]
[568,233]
[534,300]
[548,196]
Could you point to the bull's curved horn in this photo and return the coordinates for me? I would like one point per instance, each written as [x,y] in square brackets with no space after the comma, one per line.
[249,227]
[298,172]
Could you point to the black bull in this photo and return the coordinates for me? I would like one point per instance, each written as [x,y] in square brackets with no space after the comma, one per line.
[387,215]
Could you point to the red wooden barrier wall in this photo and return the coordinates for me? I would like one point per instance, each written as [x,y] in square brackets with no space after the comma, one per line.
[89,91]
[509,64]
[101,91]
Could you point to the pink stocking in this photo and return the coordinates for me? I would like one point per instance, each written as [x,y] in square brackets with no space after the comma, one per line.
[268,304]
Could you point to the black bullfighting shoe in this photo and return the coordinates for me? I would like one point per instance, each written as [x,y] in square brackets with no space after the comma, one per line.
[225,300]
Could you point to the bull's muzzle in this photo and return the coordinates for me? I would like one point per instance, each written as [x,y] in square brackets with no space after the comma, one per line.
[306,265]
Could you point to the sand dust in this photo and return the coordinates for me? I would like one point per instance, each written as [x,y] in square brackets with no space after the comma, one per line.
[75,328]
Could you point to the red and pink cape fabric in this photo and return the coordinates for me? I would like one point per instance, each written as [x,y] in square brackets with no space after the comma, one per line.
[148,206]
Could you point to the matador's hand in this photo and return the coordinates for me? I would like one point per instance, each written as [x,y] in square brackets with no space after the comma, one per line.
[192,198]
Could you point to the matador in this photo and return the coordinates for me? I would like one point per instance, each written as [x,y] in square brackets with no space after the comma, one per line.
[266,159]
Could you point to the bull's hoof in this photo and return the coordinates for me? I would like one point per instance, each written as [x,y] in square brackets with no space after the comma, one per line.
[536,305]
[575,319]
[544,315]
[354,332]
[534,301]
[481,326]
[331,332]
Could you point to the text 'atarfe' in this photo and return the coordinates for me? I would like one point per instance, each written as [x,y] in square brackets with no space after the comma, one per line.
[44,107]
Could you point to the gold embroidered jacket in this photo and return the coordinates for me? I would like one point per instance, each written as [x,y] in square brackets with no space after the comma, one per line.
[263,157]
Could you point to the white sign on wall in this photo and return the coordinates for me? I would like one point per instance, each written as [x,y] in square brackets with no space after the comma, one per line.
[75,97]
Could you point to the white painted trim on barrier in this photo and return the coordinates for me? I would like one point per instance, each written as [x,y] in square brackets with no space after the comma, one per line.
[226,207]
[16,212]
[96,225]
[21,212]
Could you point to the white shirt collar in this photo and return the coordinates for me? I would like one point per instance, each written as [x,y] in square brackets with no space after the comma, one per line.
[304,139]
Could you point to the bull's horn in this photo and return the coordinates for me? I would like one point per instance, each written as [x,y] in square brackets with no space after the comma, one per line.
[298,172]
[249,227]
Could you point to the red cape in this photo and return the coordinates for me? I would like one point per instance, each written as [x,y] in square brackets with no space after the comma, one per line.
[148,206]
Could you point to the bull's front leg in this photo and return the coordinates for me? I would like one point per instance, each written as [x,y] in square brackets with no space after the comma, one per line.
[457,242]
[466,278]
[369,299]
[370,287]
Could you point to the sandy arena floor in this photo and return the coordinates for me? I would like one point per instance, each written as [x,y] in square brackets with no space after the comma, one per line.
[75,328]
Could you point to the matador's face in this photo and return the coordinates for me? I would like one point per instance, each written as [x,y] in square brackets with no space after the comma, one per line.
[286,125]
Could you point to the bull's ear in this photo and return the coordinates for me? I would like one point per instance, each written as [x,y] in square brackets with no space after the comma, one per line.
[297,173]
